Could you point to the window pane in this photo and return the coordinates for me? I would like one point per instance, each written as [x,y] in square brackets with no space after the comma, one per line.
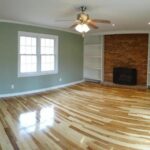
[22,40]
[22,49]
[47,63]
[47,46]
[47,42]
[33,41]
[47,50]
[50,42]
[28,64]
[28,41]
[43,42]
[27,45]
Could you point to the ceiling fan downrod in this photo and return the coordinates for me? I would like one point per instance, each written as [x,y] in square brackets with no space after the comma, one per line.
[83,8]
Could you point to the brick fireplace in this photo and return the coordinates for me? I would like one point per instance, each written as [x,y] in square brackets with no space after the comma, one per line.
[126,50]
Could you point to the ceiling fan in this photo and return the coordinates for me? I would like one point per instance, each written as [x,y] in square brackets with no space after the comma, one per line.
[83,22]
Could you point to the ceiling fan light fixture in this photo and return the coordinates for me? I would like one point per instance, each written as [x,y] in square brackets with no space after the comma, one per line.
[82,28]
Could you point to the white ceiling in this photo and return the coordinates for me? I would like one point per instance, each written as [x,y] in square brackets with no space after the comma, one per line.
[127,15]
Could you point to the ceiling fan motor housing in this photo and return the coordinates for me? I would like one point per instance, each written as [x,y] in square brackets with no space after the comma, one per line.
[82,17]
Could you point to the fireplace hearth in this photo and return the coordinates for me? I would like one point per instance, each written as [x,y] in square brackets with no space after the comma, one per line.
[126,76]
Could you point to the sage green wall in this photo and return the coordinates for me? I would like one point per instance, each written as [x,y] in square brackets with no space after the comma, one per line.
[70,65]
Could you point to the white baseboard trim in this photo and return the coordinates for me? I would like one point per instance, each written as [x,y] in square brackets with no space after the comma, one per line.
[40,90]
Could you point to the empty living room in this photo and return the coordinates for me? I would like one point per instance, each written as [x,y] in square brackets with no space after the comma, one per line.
[74,75]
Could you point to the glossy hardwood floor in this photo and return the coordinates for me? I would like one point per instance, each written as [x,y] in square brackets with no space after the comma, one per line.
[86,116]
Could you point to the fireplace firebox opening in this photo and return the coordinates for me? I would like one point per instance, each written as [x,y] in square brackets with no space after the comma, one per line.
[126,76]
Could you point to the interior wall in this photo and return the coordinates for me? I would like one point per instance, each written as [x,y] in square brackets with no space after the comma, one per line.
[126,50]
[70,63]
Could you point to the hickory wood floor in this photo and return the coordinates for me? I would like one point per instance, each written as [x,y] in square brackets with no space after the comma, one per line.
[86,116]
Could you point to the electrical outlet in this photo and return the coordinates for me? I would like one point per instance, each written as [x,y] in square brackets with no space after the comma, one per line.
[12,86]
[60,79]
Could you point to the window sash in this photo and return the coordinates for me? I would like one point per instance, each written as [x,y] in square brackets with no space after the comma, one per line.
[29,63]
[50,63]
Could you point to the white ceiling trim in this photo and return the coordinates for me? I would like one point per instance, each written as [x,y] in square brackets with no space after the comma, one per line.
[36,25]
[121,32]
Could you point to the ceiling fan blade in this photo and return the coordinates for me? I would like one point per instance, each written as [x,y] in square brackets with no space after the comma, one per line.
[92,24]
[101,21]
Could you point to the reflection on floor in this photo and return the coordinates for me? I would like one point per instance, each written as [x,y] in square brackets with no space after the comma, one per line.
[85,116]
[37,120]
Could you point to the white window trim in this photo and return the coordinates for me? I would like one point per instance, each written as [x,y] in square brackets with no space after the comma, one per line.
[38,36]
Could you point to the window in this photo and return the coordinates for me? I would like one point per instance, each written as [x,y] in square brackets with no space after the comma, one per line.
[38,54]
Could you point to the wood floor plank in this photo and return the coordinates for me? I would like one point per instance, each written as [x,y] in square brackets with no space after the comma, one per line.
[86,116]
